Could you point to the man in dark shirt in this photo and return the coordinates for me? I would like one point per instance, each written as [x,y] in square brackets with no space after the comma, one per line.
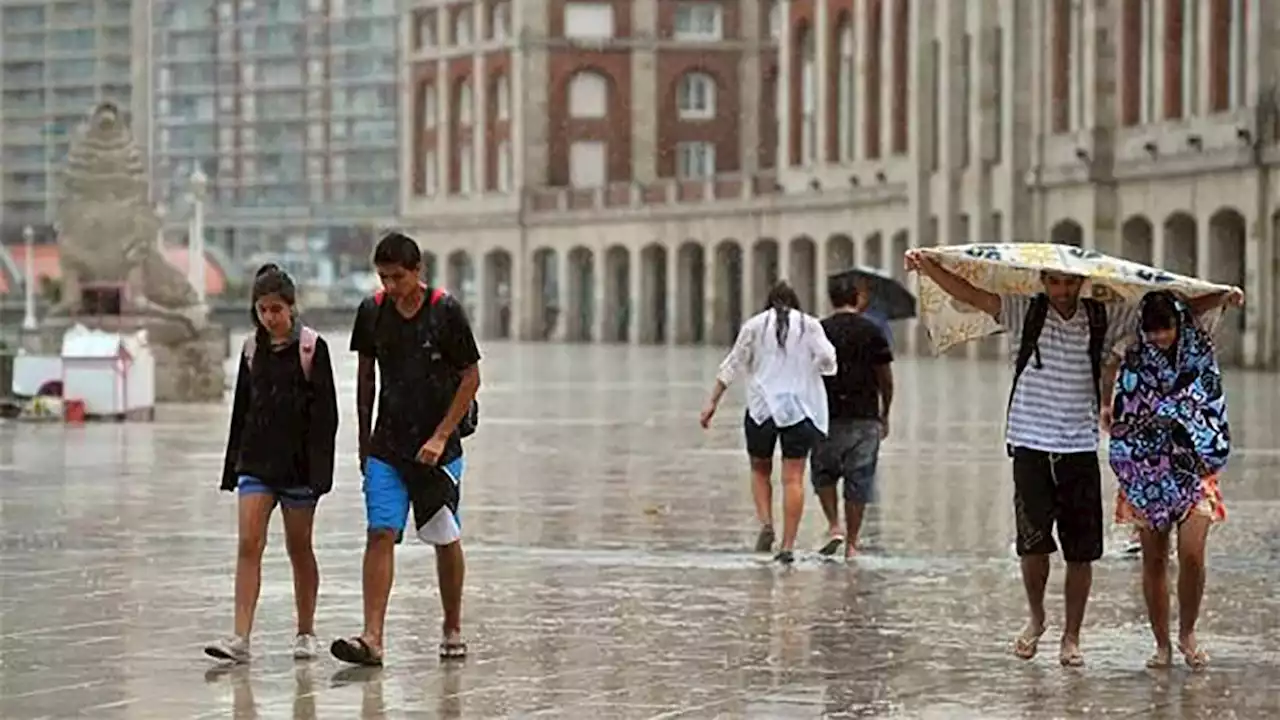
[421,344]
[858,397]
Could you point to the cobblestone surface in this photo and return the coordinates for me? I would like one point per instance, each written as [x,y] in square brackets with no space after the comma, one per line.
[608,576]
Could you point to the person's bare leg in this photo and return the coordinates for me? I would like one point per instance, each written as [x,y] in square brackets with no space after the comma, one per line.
[1035,578]
[379,573]
[853,526]
[830,509]
[792,499]
[1192,536]
[254,516]
[451,571]
[1075,590]
[298,524]
[1155,590]
[762,489]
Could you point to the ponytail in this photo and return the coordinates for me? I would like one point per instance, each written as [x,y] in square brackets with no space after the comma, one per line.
[782,299]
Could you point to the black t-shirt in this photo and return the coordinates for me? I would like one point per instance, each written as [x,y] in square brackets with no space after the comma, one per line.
[853,393]
[419,360]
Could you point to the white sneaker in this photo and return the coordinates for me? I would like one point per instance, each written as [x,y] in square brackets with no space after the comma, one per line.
[234,649]
[304,647]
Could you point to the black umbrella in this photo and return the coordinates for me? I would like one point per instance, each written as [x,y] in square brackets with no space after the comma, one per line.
[888,297]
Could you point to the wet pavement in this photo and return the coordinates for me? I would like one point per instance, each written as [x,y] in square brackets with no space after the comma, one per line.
[607,575]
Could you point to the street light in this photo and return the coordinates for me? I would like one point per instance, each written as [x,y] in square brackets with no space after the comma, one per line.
[29,322]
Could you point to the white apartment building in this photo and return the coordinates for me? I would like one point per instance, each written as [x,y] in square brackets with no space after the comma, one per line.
[1143,128]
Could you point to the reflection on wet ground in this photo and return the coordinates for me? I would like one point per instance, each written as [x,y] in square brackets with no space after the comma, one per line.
[607,571]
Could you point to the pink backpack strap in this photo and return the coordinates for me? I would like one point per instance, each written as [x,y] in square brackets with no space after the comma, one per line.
[307,338]
[436,294]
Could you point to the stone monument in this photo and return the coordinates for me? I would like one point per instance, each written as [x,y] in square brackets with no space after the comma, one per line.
[115,276]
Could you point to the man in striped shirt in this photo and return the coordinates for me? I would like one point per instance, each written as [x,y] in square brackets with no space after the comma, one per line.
[1053,437]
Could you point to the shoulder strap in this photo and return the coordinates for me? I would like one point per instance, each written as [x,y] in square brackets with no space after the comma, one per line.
[1032,325]
[1097,315]
[307,338]
[437,294]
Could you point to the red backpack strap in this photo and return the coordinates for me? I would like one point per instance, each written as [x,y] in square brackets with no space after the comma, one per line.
[307,339]
[436,295]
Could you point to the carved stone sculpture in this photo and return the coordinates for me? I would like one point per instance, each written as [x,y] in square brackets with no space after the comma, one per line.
[107,229]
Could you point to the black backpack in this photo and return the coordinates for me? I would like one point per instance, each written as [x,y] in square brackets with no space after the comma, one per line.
[1033,324]
[469,422]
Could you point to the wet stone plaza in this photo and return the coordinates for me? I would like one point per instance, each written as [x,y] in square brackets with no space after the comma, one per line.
[609,574]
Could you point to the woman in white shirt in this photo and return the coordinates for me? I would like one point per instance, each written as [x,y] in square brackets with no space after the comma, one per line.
[784,354]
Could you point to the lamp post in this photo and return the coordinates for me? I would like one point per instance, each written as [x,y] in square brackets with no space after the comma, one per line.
[195,233]
[29,321]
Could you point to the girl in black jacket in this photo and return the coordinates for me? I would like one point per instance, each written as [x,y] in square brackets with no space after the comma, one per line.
[280,451]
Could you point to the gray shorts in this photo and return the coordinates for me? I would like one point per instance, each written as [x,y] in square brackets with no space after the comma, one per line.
[850,452]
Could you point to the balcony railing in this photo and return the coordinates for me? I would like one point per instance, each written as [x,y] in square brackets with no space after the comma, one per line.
[666,192]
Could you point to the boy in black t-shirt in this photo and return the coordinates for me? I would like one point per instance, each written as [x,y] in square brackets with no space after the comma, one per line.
[858,398]
[421,344]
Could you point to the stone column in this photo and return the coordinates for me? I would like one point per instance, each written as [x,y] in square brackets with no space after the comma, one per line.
[748,279]
[644,92]
[635,297]
[564,294]
[678,308]
[444,124]
[604,311]
[479,296]
[750,80]
[480,113]
[822,68]
[861,60]
[887,62]
[710,294]
[822,304]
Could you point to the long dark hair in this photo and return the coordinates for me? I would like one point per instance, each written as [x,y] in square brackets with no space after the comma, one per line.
[271,279]
[782,298]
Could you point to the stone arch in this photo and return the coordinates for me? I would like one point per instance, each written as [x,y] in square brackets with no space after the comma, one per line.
[1137,240]
[873,251]
[727,311]
[580,304]
[1181,254]
[802,266]
[691,266]
[497,294]
[764,255]
[618,313]
[1228,234]
[841,253]
[544,295]
[1067,232]
[653,294]
[460,279]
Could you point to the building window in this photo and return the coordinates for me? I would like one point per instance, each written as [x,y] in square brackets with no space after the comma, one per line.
[464,103]
[462,27]
[502,97]
[845,113]
[808,100]
[588,20]
[1148,59]
[695,160]
[466,168]
[1061,26]
[696,97]
[775,20]
[1078,95]
[430,173]
[588,164]
[504,166]
[588,95]
[1238,46]
[698,21]
[426,30]
[966,99]
[430,108]
[500,21]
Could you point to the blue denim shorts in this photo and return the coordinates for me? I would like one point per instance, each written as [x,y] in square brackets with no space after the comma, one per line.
[850,453]
[387,502]
[291,498]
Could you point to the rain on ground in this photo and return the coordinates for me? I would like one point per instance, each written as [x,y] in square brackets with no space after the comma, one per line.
[607,571]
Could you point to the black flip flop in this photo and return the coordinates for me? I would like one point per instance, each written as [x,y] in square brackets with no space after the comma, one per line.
[833,544]
[355,651]
[456,650]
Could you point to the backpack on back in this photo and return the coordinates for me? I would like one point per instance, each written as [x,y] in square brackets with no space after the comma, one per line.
[307,338]
[469,422]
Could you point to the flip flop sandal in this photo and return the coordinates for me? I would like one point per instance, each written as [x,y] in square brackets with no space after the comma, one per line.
[355,651]
[1071,657]
[1161,660]
[1027,644]
[453,650]
[833,544]
[1196,658]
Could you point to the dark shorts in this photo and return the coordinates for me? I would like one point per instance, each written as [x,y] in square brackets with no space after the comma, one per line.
[850,452]
[1065,489]
[301,498]
[797,440]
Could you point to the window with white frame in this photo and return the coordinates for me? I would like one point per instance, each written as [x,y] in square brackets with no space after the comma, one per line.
[464,103]
[588,164]
[500,21]
[588,20]
[695,160]
[808,100]
[1237,64]
[1077,56]
[699,21]
[426,30]
[696,96]
[588,95]
[845,89]
[430,173]
[504,166]
[1190,57]
[1149,58]
[502,96]
[466,168]
[430,107]
[462,27]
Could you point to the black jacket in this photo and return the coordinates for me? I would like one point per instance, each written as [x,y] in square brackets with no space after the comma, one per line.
[283,426]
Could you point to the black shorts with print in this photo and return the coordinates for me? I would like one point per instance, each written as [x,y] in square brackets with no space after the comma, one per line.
[1063,489]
